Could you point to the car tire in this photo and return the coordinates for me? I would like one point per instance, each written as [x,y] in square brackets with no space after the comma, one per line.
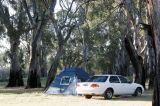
[88,96]
[138,92]
[108,94]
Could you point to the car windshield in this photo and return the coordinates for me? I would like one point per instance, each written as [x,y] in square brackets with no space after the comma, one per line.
[98,79]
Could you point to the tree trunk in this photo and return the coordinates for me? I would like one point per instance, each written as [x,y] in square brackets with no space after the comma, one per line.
[152,67]
[34,69]
[143,77]
[15,77]
[53,70]
[43,61]
[151,80]
[13,32]
[154,14]
[156,92]
[151,57]
[134,59]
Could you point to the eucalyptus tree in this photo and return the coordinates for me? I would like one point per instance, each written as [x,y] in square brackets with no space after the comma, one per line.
[47,47]
[37,15]
[14,19]
[73,54]
[154,14]
[62,27]
[140,49]
[107,24]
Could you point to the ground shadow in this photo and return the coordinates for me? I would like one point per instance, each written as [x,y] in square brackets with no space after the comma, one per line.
[147,96]
[20,90]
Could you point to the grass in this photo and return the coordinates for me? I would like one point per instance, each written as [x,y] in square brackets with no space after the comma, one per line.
[36,97]
[147,96]
[5,82]
[20,90]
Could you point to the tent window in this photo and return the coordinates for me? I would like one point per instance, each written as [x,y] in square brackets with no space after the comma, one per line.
[65,80]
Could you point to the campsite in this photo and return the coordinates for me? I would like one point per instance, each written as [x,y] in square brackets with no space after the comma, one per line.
[39,97]
[79,52]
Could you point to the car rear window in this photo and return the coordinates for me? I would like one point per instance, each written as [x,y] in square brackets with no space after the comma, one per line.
[98,79]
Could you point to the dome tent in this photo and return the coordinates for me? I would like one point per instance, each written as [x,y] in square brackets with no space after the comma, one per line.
[65,82]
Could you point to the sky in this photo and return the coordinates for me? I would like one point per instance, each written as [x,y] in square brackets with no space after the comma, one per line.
[4,45]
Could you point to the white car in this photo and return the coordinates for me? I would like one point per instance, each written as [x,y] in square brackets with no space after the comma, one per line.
[107,86]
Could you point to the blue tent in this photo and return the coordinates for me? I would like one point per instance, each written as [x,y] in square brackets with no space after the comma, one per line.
[65,82]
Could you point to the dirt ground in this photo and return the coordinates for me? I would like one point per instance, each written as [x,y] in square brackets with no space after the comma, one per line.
[21,97]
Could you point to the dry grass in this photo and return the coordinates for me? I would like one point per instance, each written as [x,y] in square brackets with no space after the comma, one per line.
[36,97]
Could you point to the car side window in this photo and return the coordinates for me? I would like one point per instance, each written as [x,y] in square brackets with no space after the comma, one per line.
[114,79]
[123,80]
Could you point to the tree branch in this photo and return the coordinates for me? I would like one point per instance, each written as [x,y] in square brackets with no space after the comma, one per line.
[40,27]
[5,17]
[28,12]
[69,34]
[68,11]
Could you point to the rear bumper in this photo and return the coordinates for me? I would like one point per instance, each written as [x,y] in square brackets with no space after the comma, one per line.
[90,92]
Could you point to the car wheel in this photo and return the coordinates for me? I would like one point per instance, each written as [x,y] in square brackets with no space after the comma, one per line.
[138,92]
[108,94]
[88,96]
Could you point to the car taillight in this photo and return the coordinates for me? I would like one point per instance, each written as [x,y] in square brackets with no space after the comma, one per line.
[94,85]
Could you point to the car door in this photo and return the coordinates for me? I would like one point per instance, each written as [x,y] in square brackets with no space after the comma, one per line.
[115,84]
[126,87]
